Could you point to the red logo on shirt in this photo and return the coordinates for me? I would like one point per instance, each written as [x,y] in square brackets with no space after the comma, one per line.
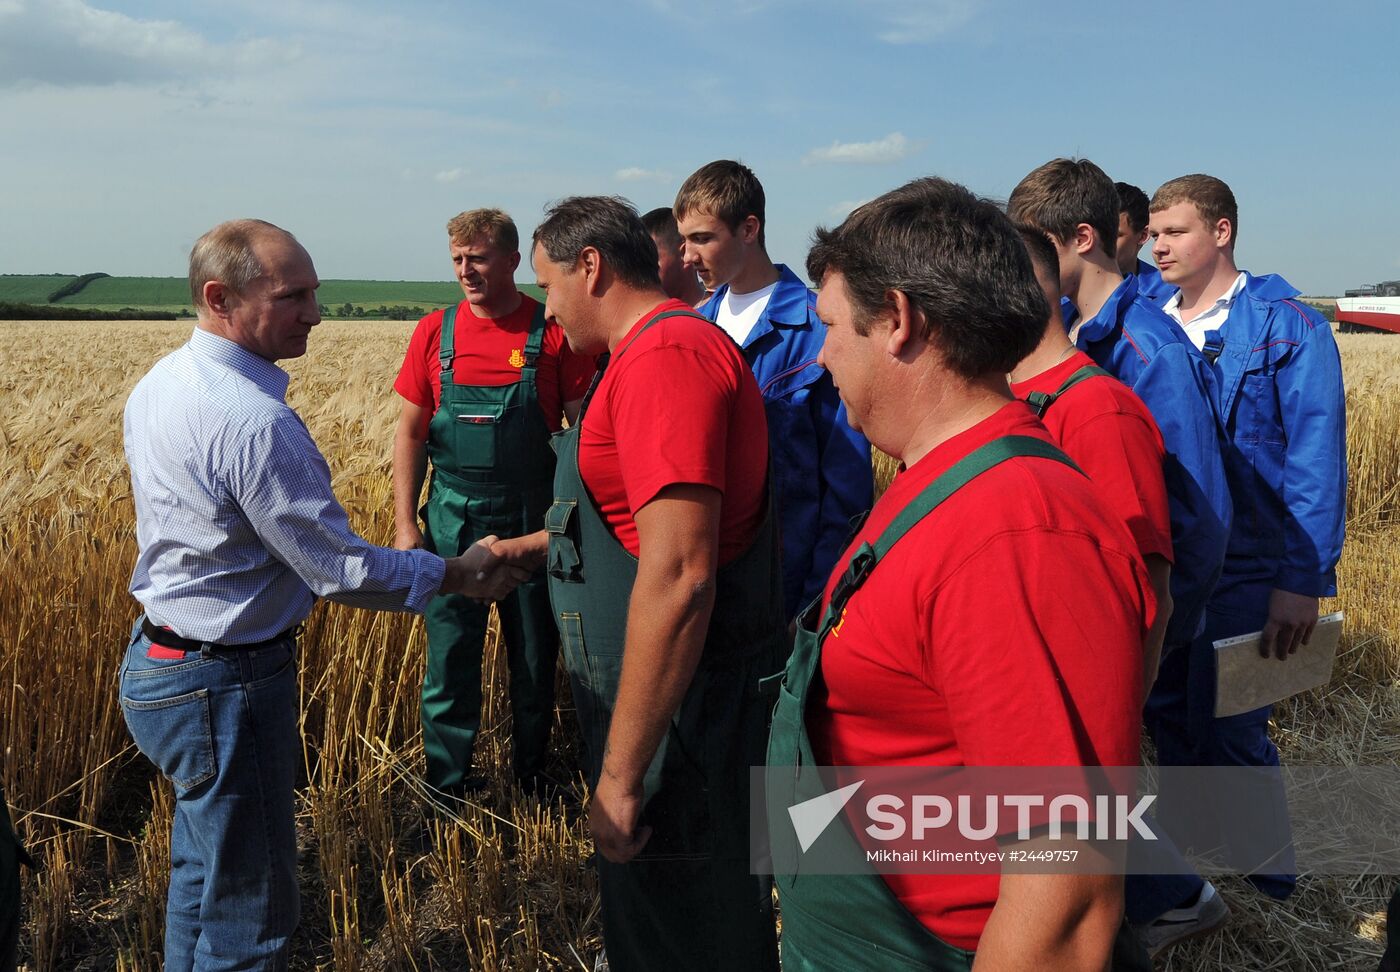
[517,358]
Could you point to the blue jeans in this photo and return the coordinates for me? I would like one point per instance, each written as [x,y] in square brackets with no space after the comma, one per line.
[222,727]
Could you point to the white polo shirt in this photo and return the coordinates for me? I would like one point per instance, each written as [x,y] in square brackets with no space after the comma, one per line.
[1211,318]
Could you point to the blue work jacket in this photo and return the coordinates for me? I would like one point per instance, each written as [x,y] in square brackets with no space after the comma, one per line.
[1279,378]
[1146,350]
[1151,285]
[821,466]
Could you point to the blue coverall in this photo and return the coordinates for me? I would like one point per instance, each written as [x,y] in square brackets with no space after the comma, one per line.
[1136,341]
[822,477]
[1279,381]
[1150,283]
[1147,351]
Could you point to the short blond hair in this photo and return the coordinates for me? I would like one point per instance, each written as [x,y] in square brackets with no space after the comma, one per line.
[225,254]
[494,224]
[1211,196]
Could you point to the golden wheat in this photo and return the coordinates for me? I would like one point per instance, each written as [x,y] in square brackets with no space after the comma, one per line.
[385,884]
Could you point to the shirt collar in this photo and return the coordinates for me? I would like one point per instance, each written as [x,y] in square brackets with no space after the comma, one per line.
[1224,302]
[1102,324]
[257,369]
[787,305]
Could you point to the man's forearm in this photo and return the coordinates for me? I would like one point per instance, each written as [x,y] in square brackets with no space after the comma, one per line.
[1159,570]
[668,617]
[410,469]
[1052,921]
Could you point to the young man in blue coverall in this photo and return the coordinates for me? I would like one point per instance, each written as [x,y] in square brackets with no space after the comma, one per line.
[1279,381]
[821,466]
[1132,234]
[1076,203]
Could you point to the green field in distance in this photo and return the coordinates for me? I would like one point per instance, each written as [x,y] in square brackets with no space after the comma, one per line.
[172,293]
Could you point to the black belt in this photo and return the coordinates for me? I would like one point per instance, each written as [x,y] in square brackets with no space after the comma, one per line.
[169,639]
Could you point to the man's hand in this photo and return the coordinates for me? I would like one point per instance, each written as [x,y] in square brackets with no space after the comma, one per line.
[1292,618]
[480,574]
[528,552]
[612,819]
[408,538]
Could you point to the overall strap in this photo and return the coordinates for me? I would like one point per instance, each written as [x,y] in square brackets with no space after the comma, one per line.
[1041,401]
[605,357]
[964,471]
[533,344]
[602,363]
[1213,346]
[445,346]
[657,320]
[536,339]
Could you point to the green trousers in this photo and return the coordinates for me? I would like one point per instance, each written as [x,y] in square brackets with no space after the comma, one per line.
[12,855]
[456,627]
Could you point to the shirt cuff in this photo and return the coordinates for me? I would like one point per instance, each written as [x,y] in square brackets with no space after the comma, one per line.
[428,571]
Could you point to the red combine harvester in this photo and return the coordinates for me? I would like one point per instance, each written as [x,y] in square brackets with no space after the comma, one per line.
[1374,308]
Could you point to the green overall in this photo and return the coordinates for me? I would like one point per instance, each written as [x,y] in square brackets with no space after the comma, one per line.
[688,901]
[12,855]
[1041,401]
[853,921]
[493,470]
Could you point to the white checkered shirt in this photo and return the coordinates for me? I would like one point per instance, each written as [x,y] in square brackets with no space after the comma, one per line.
[237,528]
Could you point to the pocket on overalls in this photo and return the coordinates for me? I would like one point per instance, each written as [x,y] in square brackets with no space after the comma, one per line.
[590,704]
[476,431]
[562,526]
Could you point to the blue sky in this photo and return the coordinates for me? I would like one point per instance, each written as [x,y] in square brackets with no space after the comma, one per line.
[128,127]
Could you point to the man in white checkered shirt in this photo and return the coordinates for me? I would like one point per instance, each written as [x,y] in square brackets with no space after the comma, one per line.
[238,534]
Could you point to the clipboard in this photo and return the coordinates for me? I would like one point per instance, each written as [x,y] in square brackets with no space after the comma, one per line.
[1244,681]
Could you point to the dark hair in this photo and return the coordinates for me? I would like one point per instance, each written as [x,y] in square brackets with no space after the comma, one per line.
[1042,252]
[1063,193]
[1211,197]
[661,224]
[957,258]
[726,190]
[1133,201]
[611,226]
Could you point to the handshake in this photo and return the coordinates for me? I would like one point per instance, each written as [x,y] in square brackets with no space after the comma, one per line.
[491,568]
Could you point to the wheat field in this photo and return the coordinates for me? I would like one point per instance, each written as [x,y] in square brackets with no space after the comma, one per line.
[385,884]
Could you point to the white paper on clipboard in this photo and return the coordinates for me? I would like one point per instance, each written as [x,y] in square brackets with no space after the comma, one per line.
[1244,681]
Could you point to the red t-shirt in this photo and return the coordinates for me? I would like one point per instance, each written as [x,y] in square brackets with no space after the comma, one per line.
[491,352]
[679,405]
[1005,629]
[1111,435]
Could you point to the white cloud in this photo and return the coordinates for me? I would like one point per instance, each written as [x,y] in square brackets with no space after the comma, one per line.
[843,209]
[449,175]
[922,21]
[69,43]
[895,21]
[636,174]
[891,148]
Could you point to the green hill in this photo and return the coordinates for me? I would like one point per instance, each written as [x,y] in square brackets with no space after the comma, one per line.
[132,292]
[171,294]
[31,288]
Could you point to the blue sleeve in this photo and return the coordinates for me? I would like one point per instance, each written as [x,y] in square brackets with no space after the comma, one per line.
[1312,405]
[282,484]
[847,481]
[1178,387]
